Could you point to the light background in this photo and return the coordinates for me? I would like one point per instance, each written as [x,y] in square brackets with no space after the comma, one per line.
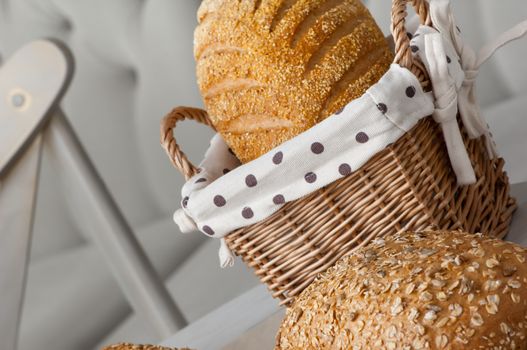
[134,63]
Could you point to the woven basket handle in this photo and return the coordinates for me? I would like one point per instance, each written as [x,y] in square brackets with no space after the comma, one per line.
[403,52]
[176,155]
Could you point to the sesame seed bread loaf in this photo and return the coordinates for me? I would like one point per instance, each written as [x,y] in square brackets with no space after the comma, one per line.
[270,69]
[432,290]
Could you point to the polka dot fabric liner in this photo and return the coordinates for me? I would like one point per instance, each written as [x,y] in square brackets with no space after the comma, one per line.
[226,196]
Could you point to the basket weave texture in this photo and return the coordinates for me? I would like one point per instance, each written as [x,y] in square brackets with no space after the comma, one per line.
[408,186]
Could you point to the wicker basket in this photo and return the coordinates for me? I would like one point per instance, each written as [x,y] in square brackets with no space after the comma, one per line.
[408,186]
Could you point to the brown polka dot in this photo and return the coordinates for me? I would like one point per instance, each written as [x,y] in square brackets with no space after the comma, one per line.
[448,60]
[201,179]
[247,213]
[362,137]
[409,35]
[250,180]
[278,199]
[310,177]
[208,230]
[317,147]
[225,171]
[414,48]
[278,157]
[219,201]
[382,107]
[184,202]
[344,169]
[410,91]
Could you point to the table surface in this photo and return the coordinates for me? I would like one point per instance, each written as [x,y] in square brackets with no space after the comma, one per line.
[251,320]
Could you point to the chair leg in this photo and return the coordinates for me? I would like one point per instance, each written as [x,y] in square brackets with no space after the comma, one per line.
[18,189]
[138,279]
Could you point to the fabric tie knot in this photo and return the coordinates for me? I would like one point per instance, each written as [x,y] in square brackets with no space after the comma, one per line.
[470,77]
[446,105]
[446,101]
[454,87]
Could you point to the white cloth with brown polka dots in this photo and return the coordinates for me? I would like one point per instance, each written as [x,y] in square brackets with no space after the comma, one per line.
[225,195]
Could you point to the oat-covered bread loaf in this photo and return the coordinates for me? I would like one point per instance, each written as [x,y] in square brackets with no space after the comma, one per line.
[270,69]
[433,290]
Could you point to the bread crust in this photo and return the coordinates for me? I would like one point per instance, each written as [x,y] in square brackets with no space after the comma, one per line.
[271,69]
[431,290]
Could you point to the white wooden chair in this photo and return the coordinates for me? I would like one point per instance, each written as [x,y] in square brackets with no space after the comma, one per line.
[32,84]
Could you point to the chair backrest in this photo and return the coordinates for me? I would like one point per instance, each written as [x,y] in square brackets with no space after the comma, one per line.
[134,61]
